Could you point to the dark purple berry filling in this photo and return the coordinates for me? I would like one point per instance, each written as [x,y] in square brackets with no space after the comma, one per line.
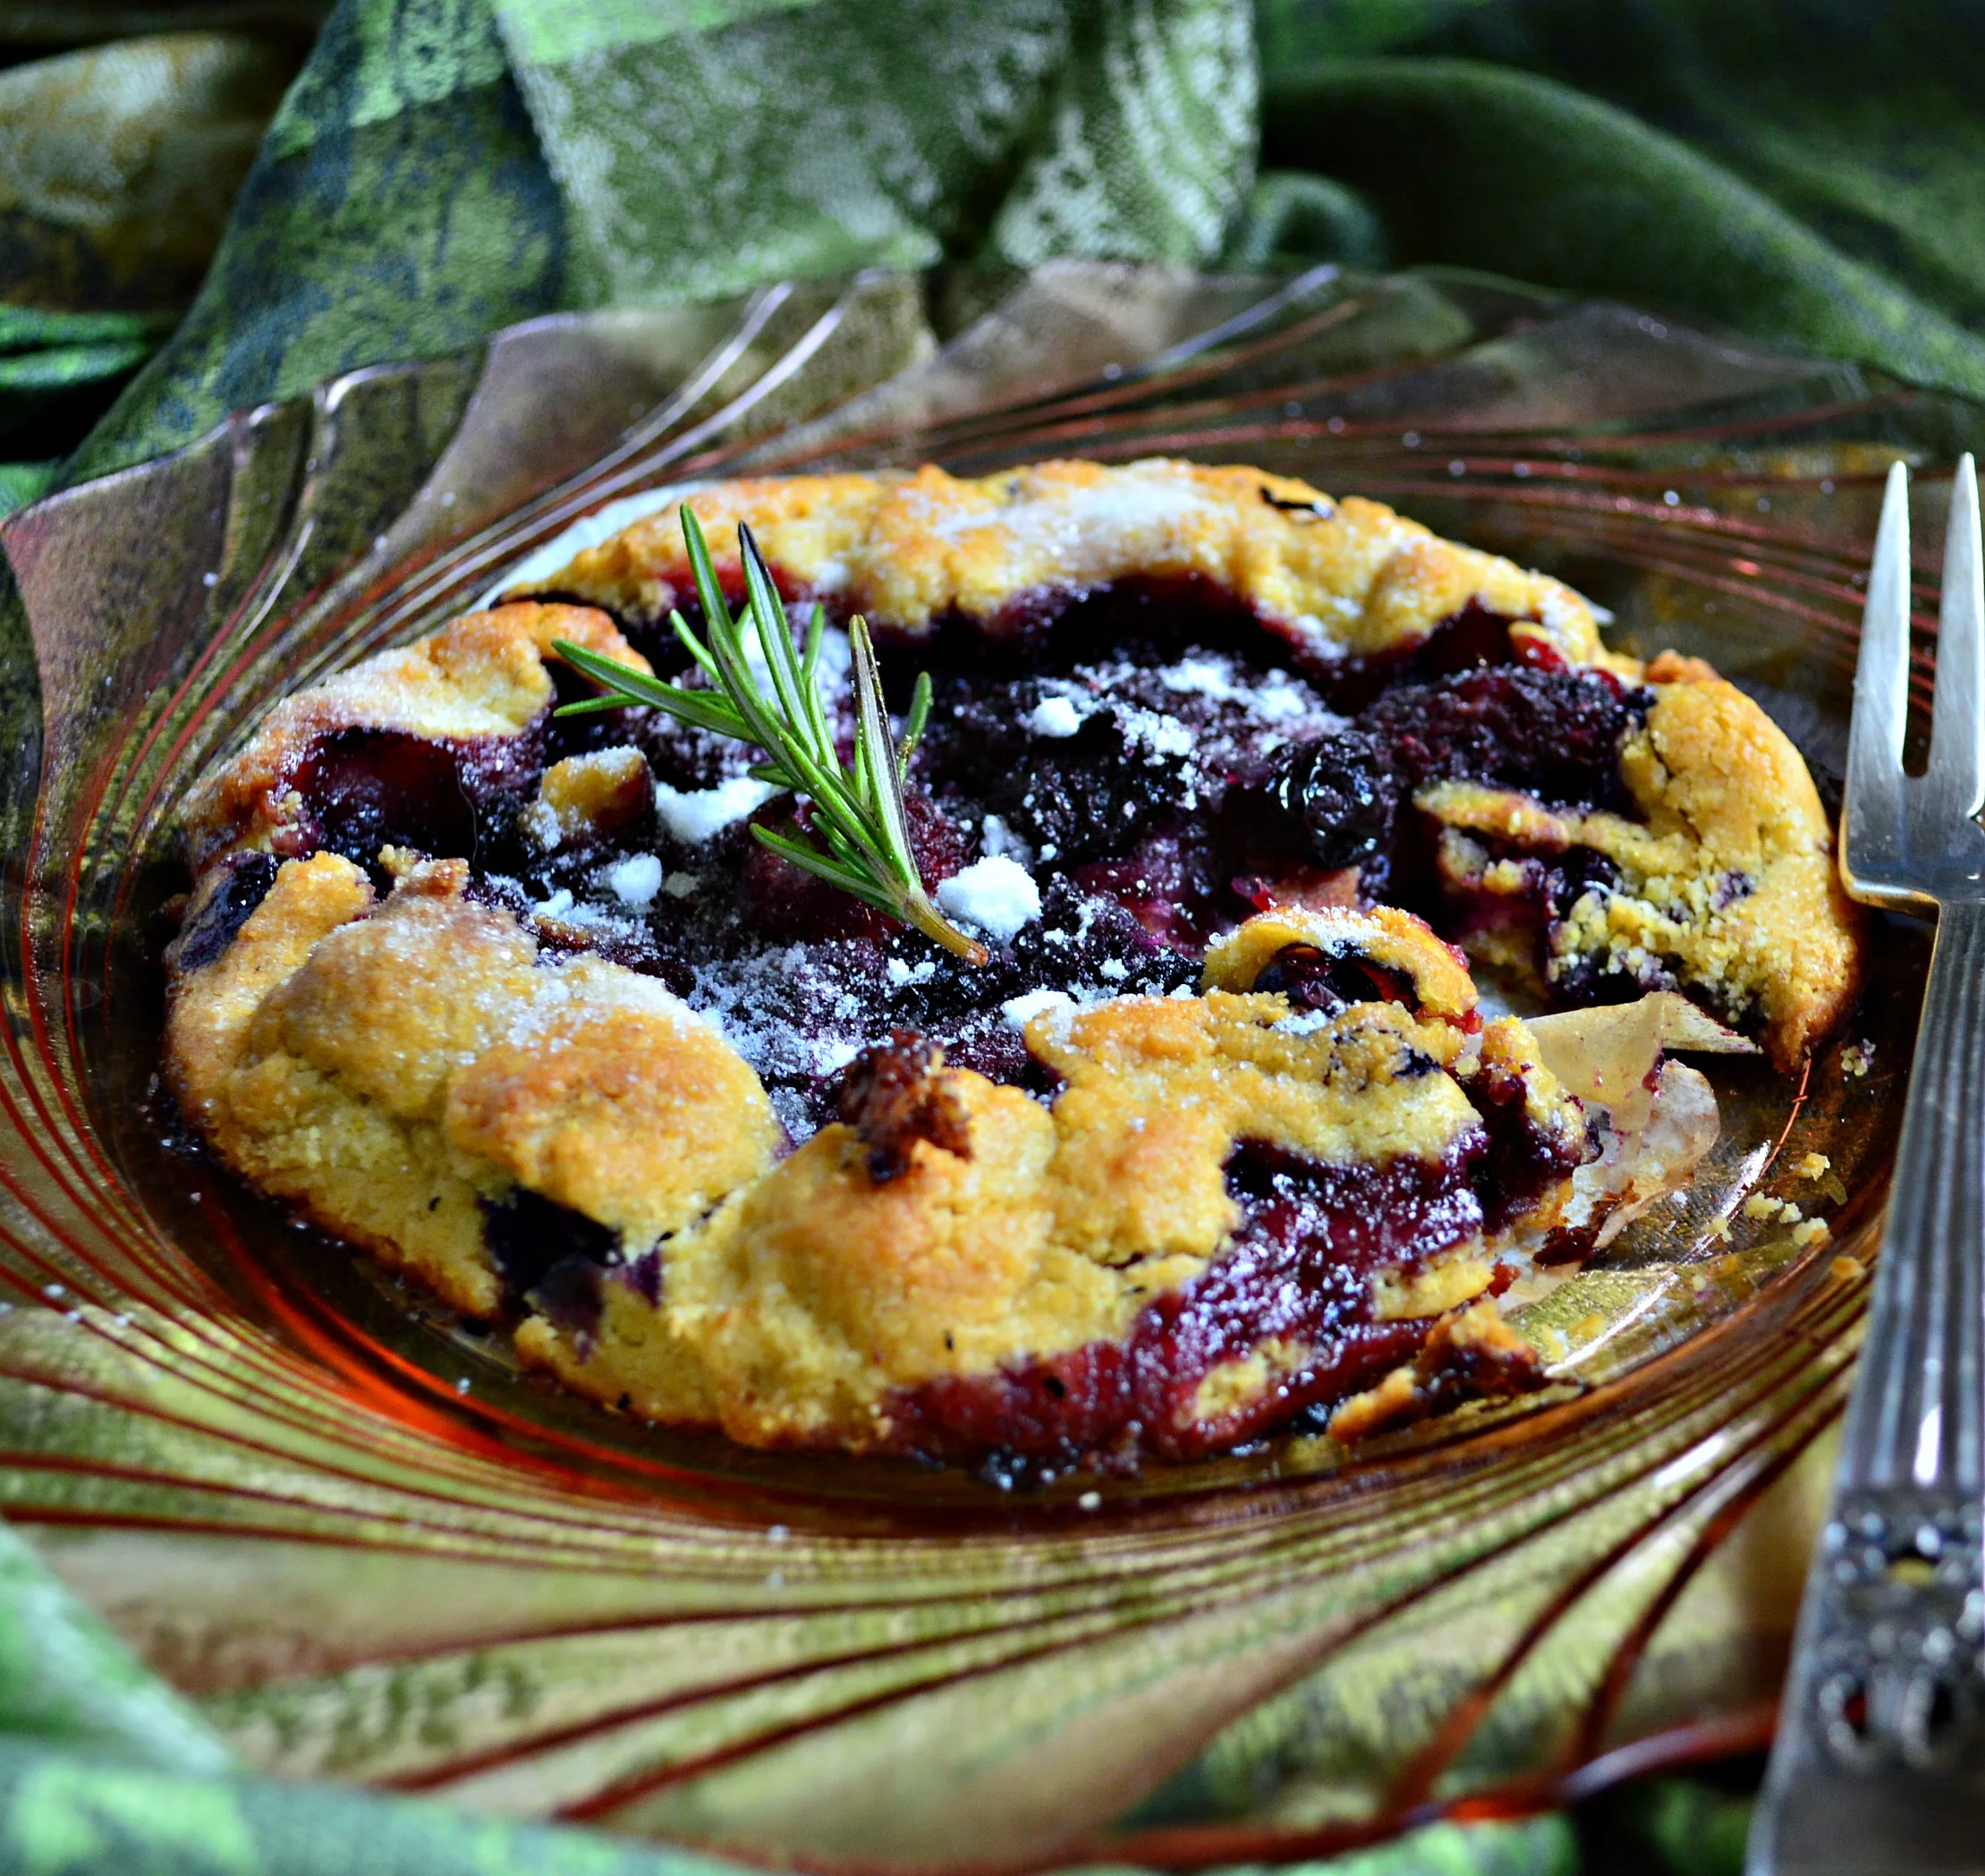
[1150,758]
[530,1235]
[1332,797]
[363,790]
[1555,735]
[1299,1271]
[1156,787]
[229,907]
[1330,983]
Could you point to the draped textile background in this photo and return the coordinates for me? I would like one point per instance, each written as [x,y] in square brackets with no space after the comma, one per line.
[1802,170]
[206,205]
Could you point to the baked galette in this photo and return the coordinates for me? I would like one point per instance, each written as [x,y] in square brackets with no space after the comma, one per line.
[1219,1138]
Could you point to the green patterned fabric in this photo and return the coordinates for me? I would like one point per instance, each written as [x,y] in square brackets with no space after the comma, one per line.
[1806,173]
[119,165]
[65,1680]
[443,167]
[103,1768]
[66,1815]
[1801,170]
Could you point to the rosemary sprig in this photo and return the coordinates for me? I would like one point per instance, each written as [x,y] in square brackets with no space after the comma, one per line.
[857,812]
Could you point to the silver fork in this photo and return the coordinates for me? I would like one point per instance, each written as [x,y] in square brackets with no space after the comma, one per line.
[1879,1765]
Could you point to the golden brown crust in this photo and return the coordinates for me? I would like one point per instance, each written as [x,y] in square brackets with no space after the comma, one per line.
[1728,881]
[1714,767]
[819,1292]
[1471,1353]
[590,795]
[1393,939]
[612,1099]
[1160,1088]
[482,675]
[1347,578]
[392,1069]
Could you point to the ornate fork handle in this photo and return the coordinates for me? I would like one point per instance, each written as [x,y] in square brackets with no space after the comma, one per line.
[1900,1558]
[1885,1717]
[1879,1764]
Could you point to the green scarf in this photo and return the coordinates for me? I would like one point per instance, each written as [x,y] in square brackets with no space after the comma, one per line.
[1803,171]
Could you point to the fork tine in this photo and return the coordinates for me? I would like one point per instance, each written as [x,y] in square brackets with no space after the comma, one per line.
[1873,846]
[1955,781]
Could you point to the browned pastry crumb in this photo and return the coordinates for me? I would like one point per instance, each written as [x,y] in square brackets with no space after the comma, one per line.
[593,796]
[1471,1355]
[893,1096]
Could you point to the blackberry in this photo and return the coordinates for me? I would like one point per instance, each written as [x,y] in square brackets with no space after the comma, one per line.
[530,1237]
[215,926]
[1552,734]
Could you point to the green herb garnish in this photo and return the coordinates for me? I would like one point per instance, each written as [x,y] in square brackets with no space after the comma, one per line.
[857,812]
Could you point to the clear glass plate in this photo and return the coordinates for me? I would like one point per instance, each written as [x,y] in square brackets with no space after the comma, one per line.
[372,1550]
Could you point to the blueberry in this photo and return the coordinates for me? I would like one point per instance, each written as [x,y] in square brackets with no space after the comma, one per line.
[1333,798]
[1330,981]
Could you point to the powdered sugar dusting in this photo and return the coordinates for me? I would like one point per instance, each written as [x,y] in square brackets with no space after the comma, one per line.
[1055,717]
[997,895]
[635,880]
[1274,699]
[792,1014]
[1020,1011]
[1255,713]
[566,985]
[1088,533]
[695,815]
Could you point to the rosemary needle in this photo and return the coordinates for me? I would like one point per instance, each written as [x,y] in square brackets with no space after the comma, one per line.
[857,811]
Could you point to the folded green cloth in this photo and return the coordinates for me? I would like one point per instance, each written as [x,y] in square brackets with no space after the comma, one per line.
[119,165]
[104,1769]
[443,167]
[64,1814]
[1824,192]
[1794,169]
